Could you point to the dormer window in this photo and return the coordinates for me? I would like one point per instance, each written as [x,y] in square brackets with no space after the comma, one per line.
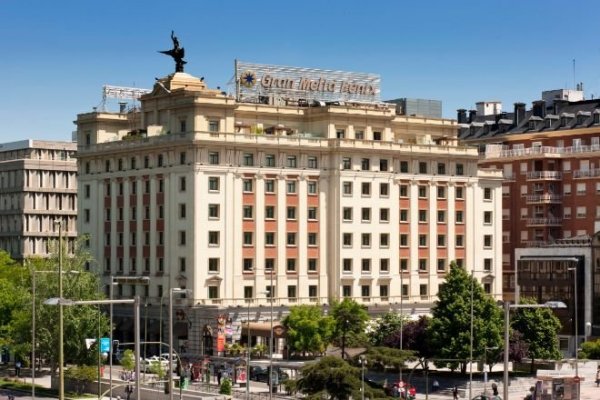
[531,125]
[597,118]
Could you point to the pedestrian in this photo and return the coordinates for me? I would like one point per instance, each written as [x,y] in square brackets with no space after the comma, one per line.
[455,393]
[18,368]
[436,385]
[219,375]
[598,377]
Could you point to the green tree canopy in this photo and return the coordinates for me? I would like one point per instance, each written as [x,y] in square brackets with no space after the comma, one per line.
[449,331]
[331,377]
[350,320]
[308,330]
[379,329]
[539,327]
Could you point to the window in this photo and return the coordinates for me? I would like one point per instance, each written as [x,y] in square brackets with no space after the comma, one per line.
[346,163]
[487,264]
[133,187]
[269,186]
[248,292]
[422,240]
[365,240]
[248,264]
[182,184]
[269,264]
[422,191]
[487,217]
[213,238]
[291,162]
[403,215]
[213,183]
[403,240]
[213,265]
[487,241]
[312,265]
[213,158]
[403,264]
[347,291]
[291,213]
[365,188]
[376,135]
[248,159]
[384,189]
[270,160]
[291,292]
[404,167]
[291,187]
[347,265]
[441,168]
[182,211]
[365,265]
[347,239]
[459,240]
[213,125]
[340,133]
[423,289]
[312,162]
[182,238]
[213,211]
[441,264]
[459,217]
[581,188]
[581,212]
[248,238]
[422,264]
[383,165]
[291,239]
[422,215]
[86,191]
[384,240]
[248,212]
[365,164]
[365,214]
[567,189]
[246,185]
[487,194]
[384,215]
[86,215]
[312,213]
[441,240]
[312,239]
[312,291]
[459,193]
[403,190]
[160,160]
[269,212]
[359,134]
[146,162]
[213,292]
[365,291]
[347,188]
[347,214]
[441,192]
[291,265]
[422,167]
[269,238]
[441,216]
[384,265]
[311,187]
[459,169]
[107,166]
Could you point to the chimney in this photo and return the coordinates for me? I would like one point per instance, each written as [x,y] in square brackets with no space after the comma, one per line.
[472,115]
[539,108]
[461,116]
[519,113]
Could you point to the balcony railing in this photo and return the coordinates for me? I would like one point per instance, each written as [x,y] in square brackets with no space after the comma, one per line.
[552,175]
[544,198]
[586,173]
[540,150]
[544,221]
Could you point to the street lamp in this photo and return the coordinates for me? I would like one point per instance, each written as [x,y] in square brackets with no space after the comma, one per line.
[170,383]
[61,372]
[485,377]
[401,316]
[507,307]
[471,336]
[363,362]
[115,280]
[33,272]
[574,269]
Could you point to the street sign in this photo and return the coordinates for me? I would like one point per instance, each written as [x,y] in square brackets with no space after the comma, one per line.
[104,345]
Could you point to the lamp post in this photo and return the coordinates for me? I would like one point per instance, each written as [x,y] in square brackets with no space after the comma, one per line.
[170,380]
[248,355]
[507,307]
[271,297]
[485,378]
[574,269]
[61,372]
[362,361]
[136,303]
[471,335]
[401,315]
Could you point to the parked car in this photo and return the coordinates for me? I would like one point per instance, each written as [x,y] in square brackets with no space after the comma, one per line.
[262,375]
[148,363]
[166,356]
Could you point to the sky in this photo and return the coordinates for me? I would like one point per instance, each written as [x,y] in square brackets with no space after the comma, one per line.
[57,55]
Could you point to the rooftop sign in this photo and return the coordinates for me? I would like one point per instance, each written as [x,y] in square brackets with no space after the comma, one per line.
[294,83]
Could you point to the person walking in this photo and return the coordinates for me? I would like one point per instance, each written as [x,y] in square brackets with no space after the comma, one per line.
[598,377]
[455,393]
[435,385]
[219,375]
[18,369]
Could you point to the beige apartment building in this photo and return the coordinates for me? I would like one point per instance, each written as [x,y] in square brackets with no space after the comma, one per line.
[38,189]
[302,185]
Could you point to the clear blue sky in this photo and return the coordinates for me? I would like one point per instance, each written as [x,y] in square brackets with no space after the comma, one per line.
[56,55]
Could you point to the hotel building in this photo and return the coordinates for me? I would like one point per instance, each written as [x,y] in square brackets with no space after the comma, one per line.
[38,187]
[302,186]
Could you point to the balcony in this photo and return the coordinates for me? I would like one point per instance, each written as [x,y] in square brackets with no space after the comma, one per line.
[586,173]
[553,221]
[544,175]
[545,198]
[539,151]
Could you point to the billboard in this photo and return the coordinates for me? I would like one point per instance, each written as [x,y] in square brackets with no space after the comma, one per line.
[255,82]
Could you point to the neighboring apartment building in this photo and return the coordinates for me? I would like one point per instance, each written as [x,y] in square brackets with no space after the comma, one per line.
[550,158]
[302,194]
[38,187]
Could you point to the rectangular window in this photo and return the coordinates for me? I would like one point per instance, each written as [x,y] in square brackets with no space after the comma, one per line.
[422,191]
[441,192]
[269,264]
[269,238]
[487,194]
[347,239]
[213,125]
[312,265]
[213,183]
[291,292]
[213,211]
[270,160]
[269,186]
[441,240]
[383,165]
[441,216]
[441,264]
[340,133]
[365,164]
[459,193]
[312,239]
[312,213]
[441,168]
[291,213]
[422,240]
[403,240]
[403,190]
[459,169]
[347,214]
[213,265]
[487,217]
[459,240]
[213,238]
[182,211]
[182,184]
[384,240]
[384,265]
[269,212]
[403,264]
[246,185]
[422,264]
[311,187]
[248,159]
[423,289]
[160,160]
[365,188]
[384,189]
[248,238]
[422,215]
[312,292]
[182,238]
[404,167]
[291,162]
[359,134]
[248,264]
[365,214]
[248,292]
[365,265]
[384,215]
[459,217]
[291,187]
[347,291]
[347,265]
[248,212]
[312,162]
[347,188]
[365,240]
[213,292]
[403,215]
[422,167]
[487,264]
[346,163]
[213,158]
[291,239]
[291,265]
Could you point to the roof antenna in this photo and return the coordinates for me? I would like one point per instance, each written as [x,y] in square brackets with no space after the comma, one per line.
[574,84]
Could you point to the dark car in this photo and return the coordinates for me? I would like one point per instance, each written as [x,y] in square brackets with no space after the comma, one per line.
[262,375]
[487,397]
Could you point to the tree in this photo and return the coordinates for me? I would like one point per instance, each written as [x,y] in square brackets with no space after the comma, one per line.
[308,330]
[540,328]
[349,321]
[331,377]
[449,332]
[128,360]
[379,329]
[590,349]
[225,387]
[414,337]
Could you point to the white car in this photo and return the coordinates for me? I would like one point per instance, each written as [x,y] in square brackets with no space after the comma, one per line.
[166,356]
[148,363]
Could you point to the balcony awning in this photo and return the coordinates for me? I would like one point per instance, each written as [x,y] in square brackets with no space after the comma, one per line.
[264,329]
